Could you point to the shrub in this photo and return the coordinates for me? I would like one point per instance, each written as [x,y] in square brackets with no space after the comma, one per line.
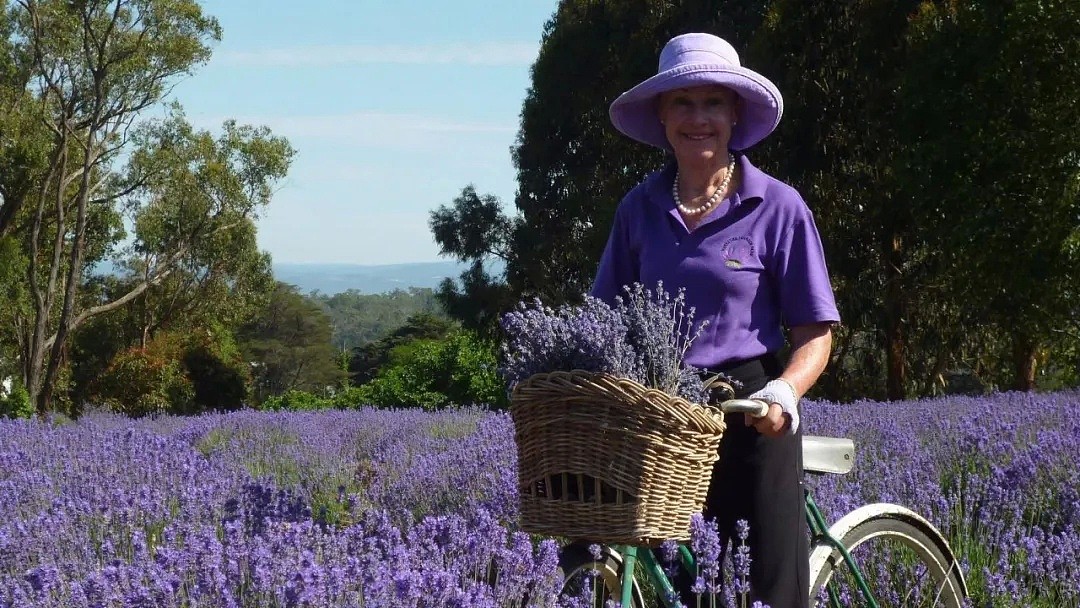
[351,397]
[16,404]
[296,401]
[219,384]
[139,382]
[461,369]
[177,372]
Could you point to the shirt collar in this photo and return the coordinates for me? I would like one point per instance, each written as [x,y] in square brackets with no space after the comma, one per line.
[752,184]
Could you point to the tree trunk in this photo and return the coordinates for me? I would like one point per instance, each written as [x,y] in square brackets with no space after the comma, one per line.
[32,368]
[895,356]
[937,381]
[1025,362]
[895,334]
[67,322]
[44,297]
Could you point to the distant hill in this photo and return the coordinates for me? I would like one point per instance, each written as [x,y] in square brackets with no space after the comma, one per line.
[336,278]
[330,279]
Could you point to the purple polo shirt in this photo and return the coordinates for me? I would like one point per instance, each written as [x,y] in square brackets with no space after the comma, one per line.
[754,265]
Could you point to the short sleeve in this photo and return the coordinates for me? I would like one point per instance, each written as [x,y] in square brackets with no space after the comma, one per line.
[805,291]
[619,263]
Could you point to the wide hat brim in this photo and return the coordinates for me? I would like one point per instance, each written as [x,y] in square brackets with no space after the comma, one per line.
[634,112]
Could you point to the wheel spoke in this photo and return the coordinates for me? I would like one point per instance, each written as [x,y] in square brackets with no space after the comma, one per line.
[902,566]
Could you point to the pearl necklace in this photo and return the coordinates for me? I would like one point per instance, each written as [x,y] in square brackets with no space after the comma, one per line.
[712,199]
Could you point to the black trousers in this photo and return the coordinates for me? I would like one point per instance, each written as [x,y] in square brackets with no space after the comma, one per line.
[759,479]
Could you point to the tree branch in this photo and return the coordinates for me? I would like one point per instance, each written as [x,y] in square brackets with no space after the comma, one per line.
[135,292]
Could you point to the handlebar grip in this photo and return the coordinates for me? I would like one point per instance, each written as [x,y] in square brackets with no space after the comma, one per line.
[753,407]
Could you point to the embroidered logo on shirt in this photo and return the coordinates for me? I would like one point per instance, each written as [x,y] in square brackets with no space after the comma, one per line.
[738,251]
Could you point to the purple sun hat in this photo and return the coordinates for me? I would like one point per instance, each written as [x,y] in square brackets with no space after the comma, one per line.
[692,60]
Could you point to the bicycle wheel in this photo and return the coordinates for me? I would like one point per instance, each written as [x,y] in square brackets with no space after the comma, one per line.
[598,580]
[904,561]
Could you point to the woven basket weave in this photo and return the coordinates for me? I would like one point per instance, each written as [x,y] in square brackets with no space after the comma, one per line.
[608,460]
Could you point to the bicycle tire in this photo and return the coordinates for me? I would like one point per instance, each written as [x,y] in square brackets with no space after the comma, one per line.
[575,561]
[947,588]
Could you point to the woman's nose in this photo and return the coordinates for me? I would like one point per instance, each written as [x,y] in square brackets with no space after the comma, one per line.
[698,113]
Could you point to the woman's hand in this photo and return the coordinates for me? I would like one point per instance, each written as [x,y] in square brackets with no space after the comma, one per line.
[810,353]
[774,424]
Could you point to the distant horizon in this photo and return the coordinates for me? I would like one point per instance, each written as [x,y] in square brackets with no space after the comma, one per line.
[291,263]
[492,261]
[338,277]
[329,278]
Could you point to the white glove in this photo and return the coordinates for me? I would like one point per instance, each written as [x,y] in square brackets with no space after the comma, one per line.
[780,392]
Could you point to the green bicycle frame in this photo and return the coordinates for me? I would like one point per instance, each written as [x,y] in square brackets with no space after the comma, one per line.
[819,533]
[631,556]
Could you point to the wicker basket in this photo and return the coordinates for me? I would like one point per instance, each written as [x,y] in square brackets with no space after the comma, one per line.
[608,460]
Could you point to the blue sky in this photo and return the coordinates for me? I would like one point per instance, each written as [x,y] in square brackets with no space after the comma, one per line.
[393,107]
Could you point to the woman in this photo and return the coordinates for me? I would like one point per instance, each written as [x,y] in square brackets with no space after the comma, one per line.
[744,247]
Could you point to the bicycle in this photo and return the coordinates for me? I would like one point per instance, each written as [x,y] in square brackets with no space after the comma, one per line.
[875,532]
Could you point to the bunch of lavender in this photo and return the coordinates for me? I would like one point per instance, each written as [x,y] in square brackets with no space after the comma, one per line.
[590,337]
[644,337]
[661,329]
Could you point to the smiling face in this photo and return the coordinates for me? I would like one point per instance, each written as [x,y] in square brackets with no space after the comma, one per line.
[698,122]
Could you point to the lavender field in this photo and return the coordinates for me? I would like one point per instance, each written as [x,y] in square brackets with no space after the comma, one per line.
[404,508]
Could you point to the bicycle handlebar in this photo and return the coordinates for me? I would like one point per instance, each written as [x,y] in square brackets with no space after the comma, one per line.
[753,407]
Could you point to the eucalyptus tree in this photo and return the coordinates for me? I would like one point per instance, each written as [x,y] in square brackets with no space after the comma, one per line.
[194,259]
[96,67]
[192,264]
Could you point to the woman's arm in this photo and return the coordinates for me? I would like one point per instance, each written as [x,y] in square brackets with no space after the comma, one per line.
[810,347]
